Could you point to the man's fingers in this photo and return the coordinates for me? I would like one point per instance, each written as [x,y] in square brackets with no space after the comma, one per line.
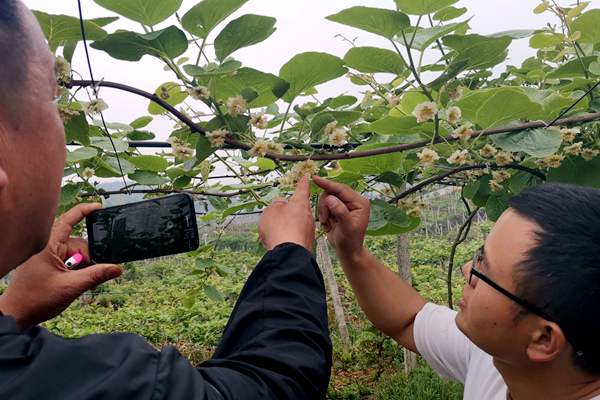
[79,245]
[341,191]
[90,277]
[302,192]
[336,208]
[76,214]
[323,213]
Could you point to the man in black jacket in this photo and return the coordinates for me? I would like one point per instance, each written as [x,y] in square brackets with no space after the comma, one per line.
[275,346]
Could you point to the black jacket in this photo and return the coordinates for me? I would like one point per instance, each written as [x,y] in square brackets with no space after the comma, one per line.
[275,346]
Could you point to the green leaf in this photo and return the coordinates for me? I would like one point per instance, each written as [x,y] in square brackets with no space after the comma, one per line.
[147,12]
[68,194]
[172,93]
[150,163]
[470,189]
[385,219]
[379,21]
[494,107]
[588,25]
[408,103]
[394,126]
[522,180]
[373,59]
[374,165]
[577,171]
[449,13]
[479,52]
[182,182]
[64,28]
[80,154]
[227,67]
[113,163]
[545,39]
[243,32]
[141,122]
[423,7]
[170,42]
[140,135]
[310,69]
[201,19]
[203,148]
[552,102]
[425,37]
[77,130]
[148,178]
[514,34]
[213,294]
[572,69]
[536,142]
[496,205]
[105,144]
[341,101]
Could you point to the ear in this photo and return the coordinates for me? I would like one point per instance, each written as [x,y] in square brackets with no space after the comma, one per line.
[547,342]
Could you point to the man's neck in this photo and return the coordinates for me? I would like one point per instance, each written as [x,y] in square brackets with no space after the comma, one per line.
[547,382]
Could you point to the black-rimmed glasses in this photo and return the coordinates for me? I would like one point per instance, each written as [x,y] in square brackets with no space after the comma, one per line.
[477,259]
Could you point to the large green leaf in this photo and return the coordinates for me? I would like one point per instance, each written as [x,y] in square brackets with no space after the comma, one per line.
[228,67]
[577,171]
[379,21]
[490,108]
[572,69]
[147,12]
[201,19]
[388,220]
[374,165]
[373,59]
[77,130]
[394,125]
[307,70]
[449,13]
[149,163]
[545,39]
[588,25]
[479,52]
[422,7]
[536,142]
[148,178]
[552,103]
[496,205]
[104,143]
[243,32]
[131,46]
[80,154]
[427,36]
[64,28]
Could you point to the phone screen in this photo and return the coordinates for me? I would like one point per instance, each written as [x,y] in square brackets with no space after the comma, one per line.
[147,229]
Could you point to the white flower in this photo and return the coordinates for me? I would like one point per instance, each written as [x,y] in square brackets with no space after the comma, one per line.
[575,149]
[236,105]
[259,121]
[303,168]
[453,115]
[88,173]
[63,70]
[459,157]
[180,149]
[338,137]
[95,106]
[217,138]
[413,207]
[488,151]
[199,92]
[393,100]
[428,156]
[503,158]
[589,154]
[425,111]
[554,161]
[328,129]
[569,134]
[464,132]
[276,148]
[260,148]
[500,176]
[287,180]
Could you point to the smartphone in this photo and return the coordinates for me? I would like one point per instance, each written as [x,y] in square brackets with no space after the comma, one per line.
[142,230]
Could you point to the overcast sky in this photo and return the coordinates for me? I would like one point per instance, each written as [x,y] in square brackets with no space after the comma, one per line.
[301,26]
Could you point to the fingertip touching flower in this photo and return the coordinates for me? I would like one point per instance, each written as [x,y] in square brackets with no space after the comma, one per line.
[464,132]
[217,137]
[425,111]
[338,137]
[236,105]
[199,92]
[304,168]
[503,158]
[260,148]
[453,114]
[259,121]
[459,157]
[428,156]
[488,151]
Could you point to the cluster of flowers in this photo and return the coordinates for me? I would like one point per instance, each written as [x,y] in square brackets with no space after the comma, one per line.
[413,206]
[299,170]
[180,149]
[337,135]
[261,147]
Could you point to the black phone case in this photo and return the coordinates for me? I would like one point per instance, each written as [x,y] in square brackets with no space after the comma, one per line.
[187,245]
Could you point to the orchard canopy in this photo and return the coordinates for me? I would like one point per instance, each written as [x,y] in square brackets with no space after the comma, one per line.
[469,119]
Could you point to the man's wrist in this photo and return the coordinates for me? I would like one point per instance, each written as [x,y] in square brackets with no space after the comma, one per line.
[353,257]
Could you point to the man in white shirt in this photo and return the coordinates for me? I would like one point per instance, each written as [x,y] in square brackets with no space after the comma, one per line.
[528,326]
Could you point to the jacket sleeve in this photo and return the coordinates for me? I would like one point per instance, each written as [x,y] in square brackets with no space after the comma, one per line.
[275,346]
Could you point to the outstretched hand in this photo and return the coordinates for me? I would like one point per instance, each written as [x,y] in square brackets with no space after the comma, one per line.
[289,220]
[43,287]
[344,215]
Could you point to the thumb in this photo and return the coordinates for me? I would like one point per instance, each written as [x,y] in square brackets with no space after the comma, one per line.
[90,277]
[336,208]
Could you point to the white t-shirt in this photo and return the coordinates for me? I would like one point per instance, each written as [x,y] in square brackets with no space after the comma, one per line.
[452,355]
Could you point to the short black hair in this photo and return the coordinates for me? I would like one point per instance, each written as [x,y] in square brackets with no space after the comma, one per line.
[561,273]
[14,44]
